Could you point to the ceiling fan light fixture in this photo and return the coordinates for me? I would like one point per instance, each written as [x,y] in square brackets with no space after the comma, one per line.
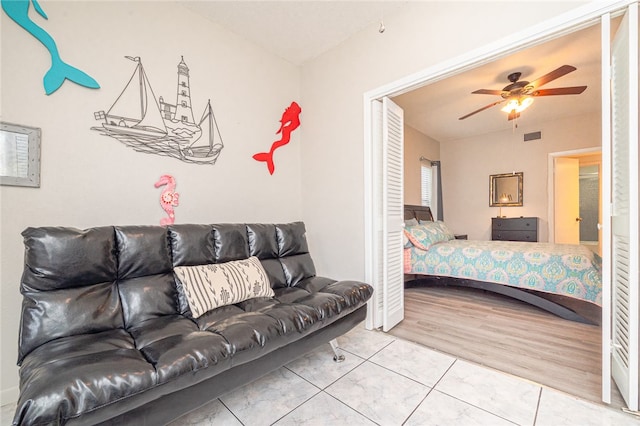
[519,94]
[517,104]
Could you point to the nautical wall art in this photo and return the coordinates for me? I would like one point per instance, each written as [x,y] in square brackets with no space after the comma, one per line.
[168,198]
[288,123]
[151,125]
[18,11]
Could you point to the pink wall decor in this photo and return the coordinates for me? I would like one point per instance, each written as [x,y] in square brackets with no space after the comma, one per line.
[288,123]
[168,198]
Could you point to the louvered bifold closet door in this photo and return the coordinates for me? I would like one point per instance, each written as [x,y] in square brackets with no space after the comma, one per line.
[624,207]
[393,213]
[377,301]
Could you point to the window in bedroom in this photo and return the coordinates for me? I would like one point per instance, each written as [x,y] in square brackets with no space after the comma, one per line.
[426,185]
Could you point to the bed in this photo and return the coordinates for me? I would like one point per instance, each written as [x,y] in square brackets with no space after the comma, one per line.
[559,278]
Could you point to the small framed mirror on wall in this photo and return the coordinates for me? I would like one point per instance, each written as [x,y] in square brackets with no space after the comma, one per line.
[505,190]
[19,155]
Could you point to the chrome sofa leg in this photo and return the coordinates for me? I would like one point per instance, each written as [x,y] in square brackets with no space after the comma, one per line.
[338,356]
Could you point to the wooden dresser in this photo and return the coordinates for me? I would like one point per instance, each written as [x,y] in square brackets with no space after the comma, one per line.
[514,228]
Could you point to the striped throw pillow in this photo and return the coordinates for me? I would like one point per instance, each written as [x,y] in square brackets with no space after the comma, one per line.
[210,286]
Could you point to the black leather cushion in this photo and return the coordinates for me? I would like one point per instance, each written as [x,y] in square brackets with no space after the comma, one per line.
[273,268]
[292,317]
[297,268]
[57,258]
[290,294]
[148,297]
[291,239]
[314,284]
[77,374]
[192,244]
[262,241]
[69,276]
[146,282]
[230,242]
[352,292]
[248,334]
[142,251]
[49,315]
[176,346]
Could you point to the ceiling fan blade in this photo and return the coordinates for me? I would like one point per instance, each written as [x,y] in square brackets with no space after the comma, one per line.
[563,70]
[481,109]
[560,91]
[487,92]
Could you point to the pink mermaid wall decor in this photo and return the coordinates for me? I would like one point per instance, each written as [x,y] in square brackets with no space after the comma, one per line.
[168,198]
[288,123]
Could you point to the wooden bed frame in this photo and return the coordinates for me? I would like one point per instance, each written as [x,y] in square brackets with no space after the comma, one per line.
[562,306]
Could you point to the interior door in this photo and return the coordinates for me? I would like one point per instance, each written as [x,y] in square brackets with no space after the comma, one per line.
[393,212]
[566,200]
[376,303]
[621,269]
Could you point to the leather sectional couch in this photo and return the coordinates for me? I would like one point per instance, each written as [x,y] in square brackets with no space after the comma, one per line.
[107,335]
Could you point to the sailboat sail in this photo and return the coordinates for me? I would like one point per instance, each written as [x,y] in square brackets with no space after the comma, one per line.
[127,105]
[132,108]
[152,116]
[210,128]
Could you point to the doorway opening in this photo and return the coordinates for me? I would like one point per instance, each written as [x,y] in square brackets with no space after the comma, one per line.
[375,215]
[589,188]
[575,191]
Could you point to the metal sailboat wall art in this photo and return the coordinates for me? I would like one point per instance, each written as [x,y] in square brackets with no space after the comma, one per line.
[148,124]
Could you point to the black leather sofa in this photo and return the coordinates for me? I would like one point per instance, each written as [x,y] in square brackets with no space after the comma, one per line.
[107,335]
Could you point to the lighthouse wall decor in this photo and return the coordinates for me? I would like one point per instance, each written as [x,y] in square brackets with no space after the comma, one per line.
[148,124]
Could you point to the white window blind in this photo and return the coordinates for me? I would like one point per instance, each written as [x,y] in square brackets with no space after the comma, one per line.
[426,185]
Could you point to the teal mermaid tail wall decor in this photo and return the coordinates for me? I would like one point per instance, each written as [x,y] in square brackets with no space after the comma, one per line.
[18,11]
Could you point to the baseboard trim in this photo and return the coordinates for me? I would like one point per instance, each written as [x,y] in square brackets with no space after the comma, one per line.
[9,396]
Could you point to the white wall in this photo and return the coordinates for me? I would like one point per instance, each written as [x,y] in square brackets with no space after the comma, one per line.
[416,145]
[467,164]
[423,35]
[91,180]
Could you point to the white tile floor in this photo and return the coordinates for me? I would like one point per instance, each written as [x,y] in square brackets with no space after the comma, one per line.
[388,381]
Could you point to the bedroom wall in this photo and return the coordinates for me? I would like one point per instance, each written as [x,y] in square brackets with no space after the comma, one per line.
[91,180]
[469,162]
[422,35]
[416,145]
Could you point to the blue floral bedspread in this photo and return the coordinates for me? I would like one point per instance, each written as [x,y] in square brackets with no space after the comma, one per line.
[568,270]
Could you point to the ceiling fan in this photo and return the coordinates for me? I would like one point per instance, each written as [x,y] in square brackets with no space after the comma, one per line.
[519,94]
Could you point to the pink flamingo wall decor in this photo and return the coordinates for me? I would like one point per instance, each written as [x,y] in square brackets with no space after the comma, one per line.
[168,198]
[288,123]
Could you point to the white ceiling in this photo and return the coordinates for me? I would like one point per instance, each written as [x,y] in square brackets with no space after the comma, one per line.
[297,30]
[300,30]
[435,109]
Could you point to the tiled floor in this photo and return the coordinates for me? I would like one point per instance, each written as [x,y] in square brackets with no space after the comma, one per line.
[388,381]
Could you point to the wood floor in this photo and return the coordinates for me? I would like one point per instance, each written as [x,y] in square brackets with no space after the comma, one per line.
[507,335]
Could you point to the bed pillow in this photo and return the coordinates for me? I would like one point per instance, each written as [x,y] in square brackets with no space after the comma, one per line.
[210,286]
[411,222]
[446,232]
[427,234]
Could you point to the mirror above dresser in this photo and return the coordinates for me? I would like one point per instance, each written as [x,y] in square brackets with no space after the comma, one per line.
[505,190]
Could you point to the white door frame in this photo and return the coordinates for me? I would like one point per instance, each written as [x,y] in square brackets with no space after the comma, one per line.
[550,182]
[566,23]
